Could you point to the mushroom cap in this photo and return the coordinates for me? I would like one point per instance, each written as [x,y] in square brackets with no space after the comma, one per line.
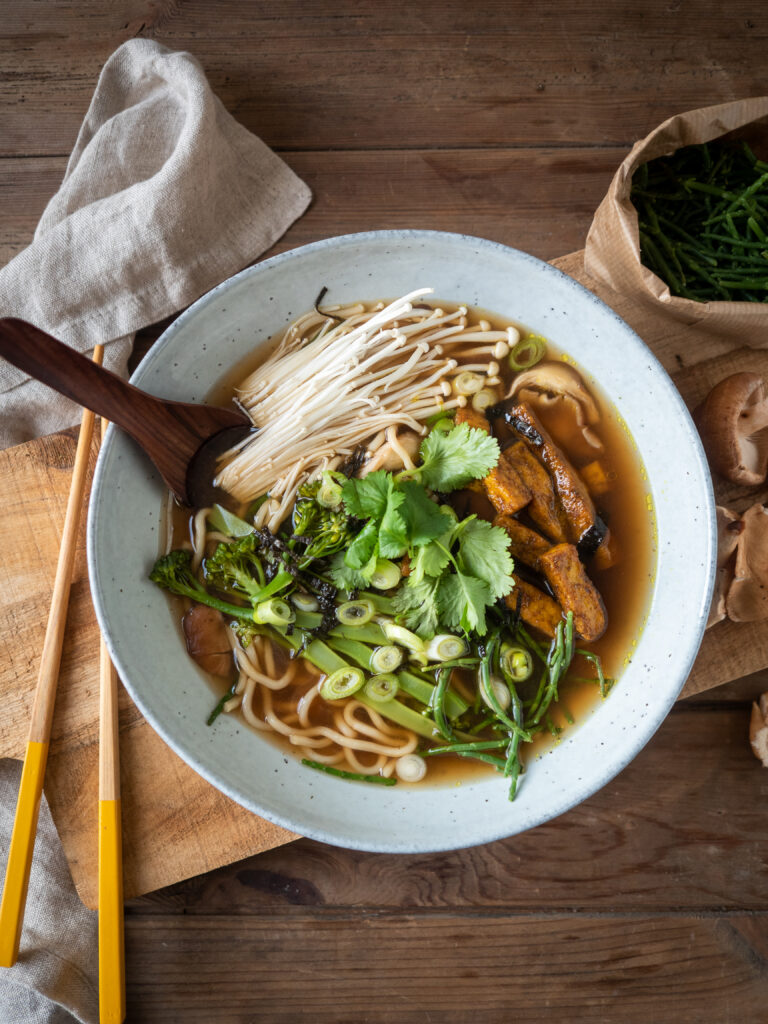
[389,455]
[205,632]
[733,424]
[747,599]
[556,383]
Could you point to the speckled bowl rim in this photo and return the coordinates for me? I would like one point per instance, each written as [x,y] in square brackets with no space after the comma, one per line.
[493,830]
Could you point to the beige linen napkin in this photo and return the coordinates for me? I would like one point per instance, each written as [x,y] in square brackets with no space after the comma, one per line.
[164,196]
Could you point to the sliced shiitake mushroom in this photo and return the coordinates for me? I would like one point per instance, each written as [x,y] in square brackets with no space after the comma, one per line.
[205,632]
[758,729]
[729,529]
[747,599]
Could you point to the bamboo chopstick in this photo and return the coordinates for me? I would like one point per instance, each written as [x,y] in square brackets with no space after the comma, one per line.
[111,935]
[31,788]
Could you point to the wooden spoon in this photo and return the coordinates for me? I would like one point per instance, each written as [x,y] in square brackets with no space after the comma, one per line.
[182,439]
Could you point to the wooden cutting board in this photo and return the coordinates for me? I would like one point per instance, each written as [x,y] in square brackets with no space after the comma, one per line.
[175,825]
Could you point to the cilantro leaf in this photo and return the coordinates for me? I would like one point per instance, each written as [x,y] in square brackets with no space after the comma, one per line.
[393,532]
[363,546]
[461,602]
[424,520]
[483,552]
[451,460]
[416,604]
[367,498]
[345,578]
[430,559]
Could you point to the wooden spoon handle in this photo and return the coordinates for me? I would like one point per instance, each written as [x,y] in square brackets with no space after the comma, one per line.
[171,433]
[77,377]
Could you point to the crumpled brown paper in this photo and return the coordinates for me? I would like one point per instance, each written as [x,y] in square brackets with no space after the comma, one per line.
[612,254]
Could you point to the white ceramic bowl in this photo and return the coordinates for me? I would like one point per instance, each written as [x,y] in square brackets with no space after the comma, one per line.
[125,524]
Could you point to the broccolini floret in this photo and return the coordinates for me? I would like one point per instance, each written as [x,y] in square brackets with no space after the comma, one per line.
[327,530]
[236,568]
[174,572]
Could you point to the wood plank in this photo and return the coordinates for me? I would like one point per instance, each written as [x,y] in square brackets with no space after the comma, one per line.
[411,968]
[334,73]
[539,200]
[680,827]
[739,691]
[174,821]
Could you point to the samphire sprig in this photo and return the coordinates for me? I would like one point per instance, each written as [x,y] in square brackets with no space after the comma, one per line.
[703,222]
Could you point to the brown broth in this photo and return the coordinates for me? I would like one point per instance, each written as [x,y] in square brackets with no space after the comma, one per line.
[625,587]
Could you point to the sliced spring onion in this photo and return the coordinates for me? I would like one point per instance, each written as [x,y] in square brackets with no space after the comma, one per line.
[308,620]
[500,693]
[402,715]
[382,688]
[368,633]
[355,613]
[410,768]
[468,383]
[386,658]
[319,654]
[484,399]
[329,493]
[342,683]
[516,662]
[444,425]
[445,647]
[353,650]
[386,575]
[384,605]
[224,521]
[352,776]
[274,612]
[527,352]
[400,635]
[279,582]
[304,602]
[418,658]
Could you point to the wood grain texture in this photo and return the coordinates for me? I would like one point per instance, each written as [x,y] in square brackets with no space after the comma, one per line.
[540,200]
[166,805]
[314,74]
[505,120]
[378,968]
[677,828]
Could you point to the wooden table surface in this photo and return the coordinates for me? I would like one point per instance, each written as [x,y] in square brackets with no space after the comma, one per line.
[648,902]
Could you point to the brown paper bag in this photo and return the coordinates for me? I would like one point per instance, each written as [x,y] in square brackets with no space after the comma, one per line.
[612,253]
